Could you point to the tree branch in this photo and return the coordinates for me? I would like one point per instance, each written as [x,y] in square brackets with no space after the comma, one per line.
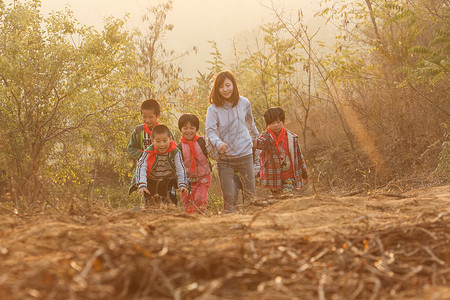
[61,131]
[428,99]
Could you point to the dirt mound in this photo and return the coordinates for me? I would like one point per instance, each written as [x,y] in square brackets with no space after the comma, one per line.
[317,247]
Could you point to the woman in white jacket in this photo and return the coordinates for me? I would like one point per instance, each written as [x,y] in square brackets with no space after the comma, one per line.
[231,129]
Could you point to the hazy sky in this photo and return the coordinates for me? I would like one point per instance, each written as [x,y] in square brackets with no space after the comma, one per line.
[195,21]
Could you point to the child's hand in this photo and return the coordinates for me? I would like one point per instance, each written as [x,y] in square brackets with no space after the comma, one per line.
[254,143]
[223,148]
[143,190]
[305,176]
[183,190]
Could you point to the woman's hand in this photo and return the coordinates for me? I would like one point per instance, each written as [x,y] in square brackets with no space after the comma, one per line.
[223,148]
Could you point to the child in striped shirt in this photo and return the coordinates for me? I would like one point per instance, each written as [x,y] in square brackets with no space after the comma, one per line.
[160,167]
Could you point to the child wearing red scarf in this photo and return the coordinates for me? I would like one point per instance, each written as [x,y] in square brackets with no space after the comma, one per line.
[283,167]
[160,166]
[141,138]
[195,157]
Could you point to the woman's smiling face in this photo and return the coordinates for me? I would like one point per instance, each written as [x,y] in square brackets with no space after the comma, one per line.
[226,89]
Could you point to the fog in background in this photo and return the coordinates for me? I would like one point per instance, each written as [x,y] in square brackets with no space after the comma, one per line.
[195,21]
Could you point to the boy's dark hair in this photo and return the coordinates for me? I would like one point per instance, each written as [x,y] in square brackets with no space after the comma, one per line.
[160,129]
[273,114]
[215,96]
[188,118]
[151,104]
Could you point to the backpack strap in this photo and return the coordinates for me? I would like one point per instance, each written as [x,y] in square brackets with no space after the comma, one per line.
[172,157]
[139,128]
[180,147]
[202,143]
[138,131]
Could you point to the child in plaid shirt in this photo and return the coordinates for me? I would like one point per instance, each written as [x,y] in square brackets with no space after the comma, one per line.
[283,167]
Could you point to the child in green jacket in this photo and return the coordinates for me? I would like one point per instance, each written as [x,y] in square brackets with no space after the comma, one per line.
[141,138]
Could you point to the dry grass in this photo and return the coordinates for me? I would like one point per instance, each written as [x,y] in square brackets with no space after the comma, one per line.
[373,247]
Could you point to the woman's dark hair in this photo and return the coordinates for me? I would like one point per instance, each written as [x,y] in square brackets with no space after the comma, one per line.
[160,129]
[188,118]
[151,104]
[215,96]
[273,114]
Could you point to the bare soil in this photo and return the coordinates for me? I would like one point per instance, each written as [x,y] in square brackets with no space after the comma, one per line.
[311,247]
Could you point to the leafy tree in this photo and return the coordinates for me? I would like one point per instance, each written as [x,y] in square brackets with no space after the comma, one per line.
[216,65]
[428,73]
[196,100]
[160,76]
[399,86]
[55,77]
[267,70]
[316,82]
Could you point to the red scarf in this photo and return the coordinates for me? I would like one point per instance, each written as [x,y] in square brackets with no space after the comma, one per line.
[193,152]
[152,155]
[147,129]
[278,139]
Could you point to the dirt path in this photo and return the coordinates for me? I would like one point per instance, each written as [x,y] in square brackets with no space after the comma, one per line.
[318,247]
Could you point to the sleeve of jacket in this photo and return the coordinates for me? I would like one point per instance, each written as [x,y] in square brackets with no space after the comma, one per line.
[301,159]
[262,141]
[134,146]
[211,126]
[181,170]
[141,171]
[257,161]
[251,123]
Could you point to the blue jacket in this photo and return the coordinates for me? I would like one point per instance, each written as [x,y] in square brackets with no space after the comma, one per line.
[232,125]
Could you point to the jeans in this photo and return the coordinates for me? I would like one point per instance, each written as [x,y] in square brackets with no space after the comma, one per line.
[226,168]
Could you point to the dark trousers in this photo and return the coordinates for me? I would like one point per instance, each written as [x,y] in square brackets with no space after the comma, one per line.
[161,190]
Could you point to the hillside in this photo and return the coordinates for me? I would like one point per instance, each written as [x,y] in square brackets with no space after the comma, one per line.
[315,247]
